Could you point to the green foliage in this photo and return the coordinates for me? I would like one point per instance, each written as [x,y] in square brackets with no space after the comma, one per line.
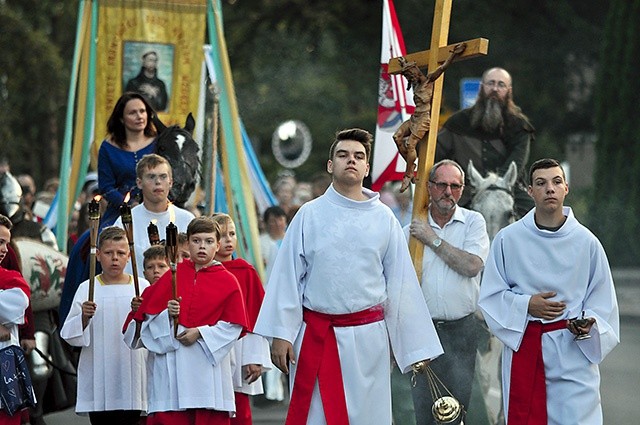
[35,40]
[615,213]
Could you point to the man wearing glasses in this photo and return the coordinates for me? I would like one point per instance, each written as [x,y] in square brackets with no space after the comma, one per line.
[491,133]
[456,247]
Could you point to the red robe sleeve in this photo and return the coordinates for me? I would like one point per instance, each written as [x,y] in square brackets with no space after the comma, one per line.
[207,296]
[10,262]
[251,287]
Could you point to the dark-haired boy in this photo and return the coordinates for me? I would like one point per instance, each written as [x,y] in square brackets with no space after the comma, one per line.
[543,271]
[342,293]
[192,371]
[154,263]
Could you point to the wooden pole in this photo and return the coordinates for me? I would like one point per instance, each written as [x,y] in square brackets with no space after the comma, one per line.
[214,152]
[127,223]
[171,249]
[427,151]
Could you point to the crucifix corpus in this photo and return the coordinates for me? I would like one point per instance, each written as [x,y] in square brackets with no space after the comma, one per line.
[428,92]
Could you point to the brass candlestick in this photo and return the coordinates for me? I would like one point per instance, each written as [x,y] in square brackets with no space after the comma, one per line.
[127,223]
[94,221]
[171,249]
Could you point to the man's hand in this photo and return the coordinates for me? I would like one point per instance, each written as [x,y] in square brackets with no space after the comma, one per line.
[188,336]
[5,334]
[251,372]
[282,354]
[421,230]
[541,307]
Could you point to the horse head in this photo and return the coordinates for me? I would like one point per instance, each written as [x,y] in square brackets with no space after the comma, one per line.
[176,144]
[10,194]
[494,197]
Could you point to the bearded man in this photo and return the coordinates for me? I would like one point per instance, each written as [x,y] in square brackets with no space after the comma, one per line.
[491,133]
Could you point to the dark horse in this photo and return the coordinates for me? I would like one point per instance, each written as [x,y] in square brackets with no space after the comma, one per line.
[176,144]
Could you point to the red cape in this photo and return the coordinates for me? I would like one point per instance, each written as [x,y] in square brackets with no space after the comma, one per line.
[250,285]
[208,296]
[27,329]
[10,279]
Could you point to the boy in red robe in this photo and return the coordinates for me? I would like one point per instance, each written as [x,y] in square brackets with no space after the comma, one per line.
[251,351]
[192,370]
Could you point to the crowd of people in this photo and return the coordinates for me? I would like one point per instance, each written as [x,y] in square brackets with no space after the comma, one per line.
[341,312]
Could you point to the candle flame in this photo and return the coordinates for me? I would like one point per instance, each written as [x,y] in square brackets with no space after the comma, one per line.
[154,221]
[97,198]
[127,197]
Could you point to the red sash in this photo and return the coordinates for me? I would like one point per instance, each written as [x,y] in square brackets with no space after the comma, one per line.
[319,359]
[528,391]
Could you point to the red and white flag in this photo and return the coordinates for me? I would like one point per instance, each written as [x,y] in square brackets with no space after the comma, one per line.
[395,103]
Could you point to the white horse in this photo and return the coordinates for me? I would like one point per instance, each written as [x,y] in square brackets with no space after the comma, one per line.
[494,200]
[494,197]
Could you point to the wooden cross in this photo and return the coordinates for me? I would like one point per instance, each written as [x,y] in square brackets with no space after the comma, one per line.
[437,54]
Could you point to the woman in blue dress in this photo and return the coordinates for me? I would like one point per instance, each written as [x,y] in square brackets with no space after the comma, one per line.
[131,136]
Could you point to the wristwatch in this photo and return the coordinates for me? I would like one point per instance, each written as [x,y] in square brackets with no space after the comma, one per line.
[436,243]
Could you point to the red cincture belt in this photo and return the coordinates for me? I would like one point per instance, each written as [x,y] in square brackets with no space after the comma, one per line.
[319,359]
[527,390]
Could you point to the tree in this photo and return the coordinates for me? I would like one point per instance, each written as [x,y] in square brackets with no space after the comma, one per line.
[616,198]
[35,63]
[318,61]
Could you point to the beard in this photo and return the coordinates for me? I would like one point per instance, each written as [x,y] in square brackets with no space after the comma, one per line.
[487,114]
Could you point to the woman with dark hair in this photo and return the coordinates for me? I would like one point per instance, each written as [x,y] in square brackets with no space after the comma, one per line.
[131,135]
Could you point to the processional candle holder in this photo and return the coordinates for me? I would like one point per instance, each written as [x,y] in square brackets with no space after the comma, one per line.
[152,232]
[94,222]
[127,223]
[171,249]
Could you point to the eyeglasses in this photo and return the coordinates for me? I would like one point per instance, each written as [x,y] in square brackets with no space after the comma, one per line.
[501,85]
[442,186]
[154,177]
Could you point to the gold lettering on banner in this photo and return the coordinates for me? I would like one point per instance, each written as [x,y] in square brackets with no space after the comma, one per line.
[156,20]
[185,85]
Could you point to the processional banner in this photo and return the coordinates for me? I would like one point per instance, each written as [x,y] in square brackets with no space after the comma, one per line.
[151,47]
[395,103]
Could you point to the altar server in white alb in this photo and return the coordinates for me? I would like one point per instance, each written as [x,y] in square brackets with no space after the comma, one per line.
[342,288]
[154,179]
[543,272]
[112,386]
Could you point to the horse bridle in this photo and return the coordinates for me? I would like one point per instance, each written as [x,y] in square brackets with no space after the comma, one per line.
[495,187]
